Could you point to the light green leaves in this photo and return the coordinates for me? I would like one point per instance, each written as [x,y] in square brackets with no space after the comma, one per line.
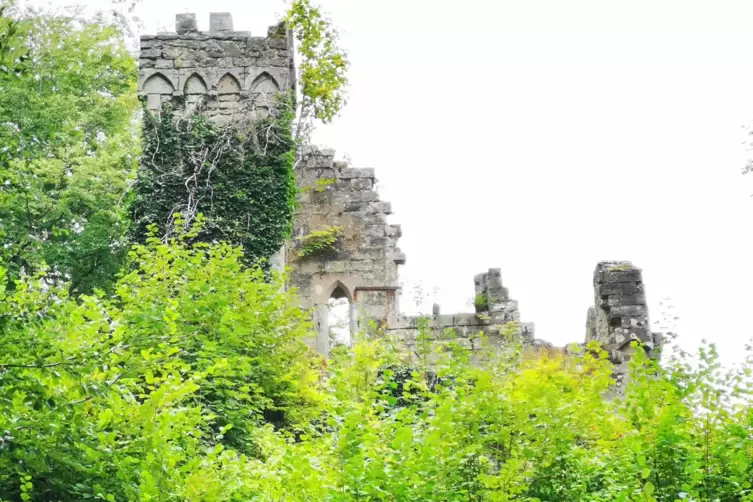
[323,66]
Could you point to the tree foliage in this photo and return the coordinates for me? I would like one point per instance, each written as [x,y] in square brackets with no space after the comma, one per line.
[159,393]
[323,63]
[68,146]
[143,397]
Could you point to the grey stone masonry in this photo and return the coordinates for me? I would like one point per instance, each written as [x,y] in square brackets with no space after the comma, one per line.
[484,329]
[220,21]
[363,263]
[229,73]
[620,314]
[185,23]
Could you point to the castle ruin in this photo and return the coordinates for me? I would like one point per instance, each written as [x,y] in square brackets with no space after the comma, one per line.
[236,77]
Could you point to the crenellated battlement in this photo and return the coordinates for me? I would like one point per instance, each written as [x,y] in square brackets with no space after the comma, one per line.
[229,72]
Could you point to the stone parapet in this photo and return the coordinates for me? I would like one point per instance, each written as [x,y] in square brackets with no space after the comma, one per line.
[228,72]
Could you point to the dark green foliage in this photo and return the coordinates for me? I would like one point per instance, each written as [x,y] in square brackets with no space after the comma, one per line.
[67,147]
[239,176]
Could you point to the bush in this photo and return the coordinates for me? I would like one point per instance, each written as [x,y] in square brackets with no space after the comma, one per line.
[159,392]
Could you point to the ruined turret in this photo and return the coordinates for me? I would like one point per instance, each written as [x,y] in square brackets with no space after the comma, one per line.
[620,314]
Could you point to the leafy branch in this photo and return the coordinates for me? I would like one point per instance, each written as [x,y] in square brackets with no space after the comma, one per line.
[319,240]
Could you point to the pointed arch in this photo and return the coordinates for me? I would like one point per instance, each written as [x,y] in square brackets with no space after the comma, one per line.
[341,314]
[228,84]
[158,84]
[265,83]
[339,290]
[195,85]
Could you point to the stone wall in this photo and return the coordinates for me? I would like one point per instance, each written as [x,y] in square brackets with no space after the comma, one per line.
[230,73]
[496,317]
[620,314]
[363,263]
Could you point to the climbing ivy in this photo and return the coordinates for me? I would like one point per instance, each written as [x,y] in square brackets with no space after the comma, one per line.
[239,176]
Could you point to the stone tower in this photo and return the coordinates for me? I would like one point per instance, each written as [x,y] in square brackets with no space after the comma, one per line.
[231,73]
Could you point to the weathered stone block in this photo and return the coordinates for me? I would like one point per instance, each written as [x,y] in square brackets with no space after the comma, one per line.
[632,299]
[185,23]
[220,21]
[398,258]
[368,196]
[361,183]
[393,231]
[151,53]
[232,50]
[186,63]
[382,207]
[620,288]
[357,172]
[619,275]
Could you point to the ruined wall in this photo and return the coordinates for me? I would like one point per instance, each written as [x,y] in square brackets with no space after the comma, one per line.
[230,73]
[363,264]
[620,314]
[487,328]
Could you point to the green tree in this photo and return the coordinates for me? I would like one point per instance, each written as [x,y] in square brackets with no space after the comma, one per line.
[157,393]
[323,67]
[68,146]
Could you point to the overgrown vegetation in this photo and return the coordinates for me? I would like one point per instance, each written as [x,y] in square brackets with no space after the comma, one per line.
[481,302]
[319,185]
[323,64]
[239,176]
[318,241]
[161,392]
[164,393]
[177,371]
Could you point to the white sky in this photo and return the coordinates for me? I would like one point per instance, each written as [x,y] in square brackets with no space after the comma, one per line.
[541,136]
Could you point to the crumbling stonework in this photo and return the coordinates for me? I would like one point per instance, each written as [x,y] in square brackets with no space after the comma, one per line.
[495,317]
[230,73]
[363,264]
[233,76]
[620,314]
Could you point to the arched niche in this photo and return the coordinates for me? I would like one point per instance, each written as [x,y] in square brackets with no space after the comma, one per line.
[339,290]
[195,85]
[265,84]
[156,87]
[340,315]
[228,84]
[264,89]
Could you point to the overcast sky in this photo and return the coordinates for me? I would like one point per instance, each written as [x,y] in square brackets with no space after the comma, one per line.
[541,136]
